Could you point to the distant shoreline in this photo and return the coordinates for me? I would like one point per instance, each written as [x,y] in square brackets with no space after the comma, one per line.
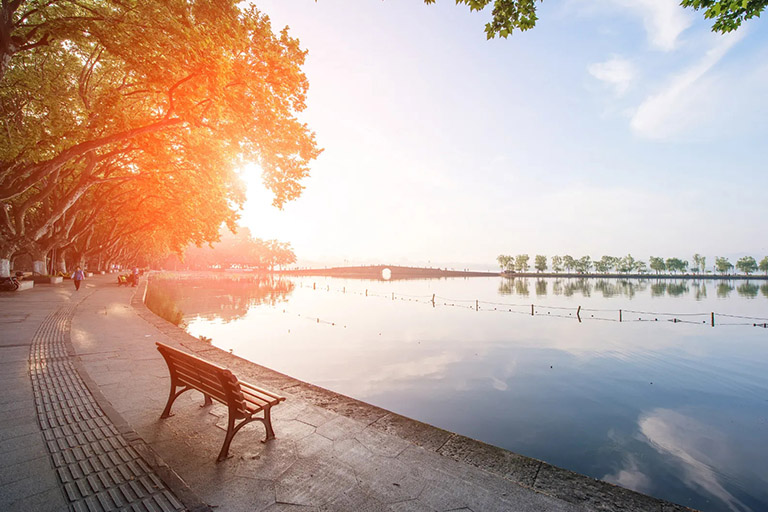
[397,272]
[400,272]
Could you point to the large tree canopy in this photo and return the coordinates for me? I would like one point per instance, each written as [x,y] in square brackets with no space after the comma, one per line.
[511,15]
[143,109]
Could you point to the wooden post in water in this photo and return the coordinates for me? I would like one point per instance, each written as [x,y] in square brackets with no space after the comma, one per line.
[713,319]
[531,309]
[314,285]
[366,292]
[393,295]
[433,300]
[578,314]
[477,305]
[619,315]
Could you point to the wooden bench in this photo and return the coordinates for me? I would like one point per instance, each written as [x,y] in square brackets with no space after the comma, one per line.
[243,400]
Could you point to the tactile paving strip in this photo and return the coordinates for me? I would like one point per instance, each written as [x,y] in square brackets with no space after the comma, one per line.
[98,469]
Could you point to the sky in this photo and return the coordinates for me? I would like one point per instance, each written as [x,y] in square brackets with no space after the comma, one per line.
[612,127]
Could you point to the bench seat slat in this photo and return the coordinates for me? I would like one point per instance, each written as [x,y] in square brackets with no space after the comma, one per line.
[262,391]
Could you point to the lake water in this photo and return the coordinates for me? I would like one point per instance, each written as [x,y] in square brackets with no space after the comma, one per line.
[661,402]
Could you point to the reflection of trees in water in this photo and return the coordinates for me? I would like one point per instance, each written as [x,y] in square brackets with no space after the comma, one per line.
[677,289]
[723,289]
[748,290]
[658,289]
[610,288]
[582,286]
[227,299]
[510,286]
[619,287]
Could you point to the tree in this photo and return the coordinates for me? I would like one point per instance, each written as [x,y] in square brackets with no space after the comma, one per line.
[676,265]
[764,265]
[176,93]
[504,261]
[657,264]
[557,263]
[540,263]
[521,262]
[605,264]
[722,265]
[583,264]
[699,263]
[747,264]
[626,264]
[568,262]
[509,15]
[640,267]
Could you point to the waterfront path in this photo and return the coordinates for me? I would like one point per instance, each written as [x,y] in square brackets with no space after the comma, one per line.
[83,388]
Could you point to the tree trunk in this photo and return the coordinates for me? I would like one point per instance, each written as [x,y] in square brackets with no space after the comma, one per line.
[62,261]
[38,261]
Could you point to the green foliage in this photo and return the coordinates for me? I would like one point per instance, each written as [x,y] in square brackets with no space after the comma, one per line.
[583,264]
[699,263]
[508,15]
[540,263]
[676,265]
[557,263]
[505,262]
[521,263]
[657,264]
[722,265]
[568,262]
[763,265]
[626,264]
[728,14]
[747,264]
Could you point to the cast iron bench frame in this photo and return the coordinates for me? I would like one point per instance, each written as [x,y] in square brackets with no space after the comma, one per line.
[243,400]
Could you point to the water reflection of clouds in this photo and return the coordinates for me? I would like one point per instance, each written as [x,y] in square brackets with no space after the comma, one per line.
[630,476]
[694,447]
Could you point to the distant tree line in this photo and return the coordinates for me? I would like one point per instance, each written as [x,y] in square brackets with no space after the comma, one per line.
[239,250]
[628,264]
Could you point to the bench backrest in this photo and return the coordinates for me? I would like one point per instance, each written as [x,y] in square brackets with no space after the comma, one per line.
[215,381]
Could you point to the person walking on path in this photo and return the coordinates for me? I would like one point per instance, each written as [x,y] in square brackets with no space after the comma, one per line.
[135,276]
[77,276]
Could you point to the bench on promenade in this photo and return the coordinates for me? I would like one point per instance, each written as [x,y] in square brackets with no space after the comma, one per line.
[243,400]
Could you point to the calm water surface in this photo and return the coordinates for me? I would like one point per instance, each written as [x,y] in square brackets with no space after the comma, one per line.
[661,402]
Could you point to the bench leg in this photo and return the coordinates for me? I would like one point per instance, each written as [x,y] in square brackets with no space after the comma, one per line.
[268,424]
[172,396]
[207,401]
[231,431]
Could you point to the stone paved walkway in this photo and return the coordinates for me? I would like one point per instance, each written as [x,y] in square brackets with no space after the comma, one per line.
[98,468]
[84,430]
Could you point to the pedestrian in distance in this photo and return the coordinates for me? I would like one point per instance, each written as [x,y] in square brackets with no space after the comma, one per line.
[135,276]
[77,276]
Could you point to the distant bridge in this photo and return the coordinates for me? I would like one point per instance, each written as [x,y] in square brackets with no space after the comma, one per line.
[395,272]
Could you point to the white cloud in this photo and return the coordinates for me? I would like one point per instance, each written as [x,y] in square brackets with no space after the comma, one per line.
[617,72]
[691,445]
[664,20]
[680,102]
